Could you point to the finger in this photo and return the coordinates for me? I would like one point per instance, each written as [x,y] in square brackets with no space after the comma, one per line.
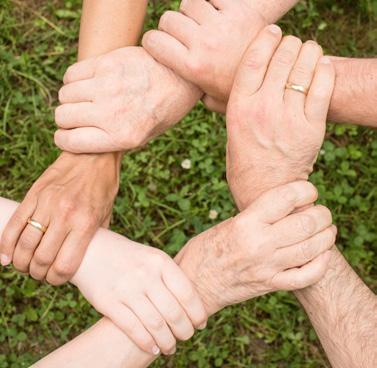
[254,64]
[299,278]
[69,256]
[167,50]
[281,65]
[14,228]
[200,11]
[48,249]
[30,239]
[85,140]
[80,91]
[301,226]
[172,312]
[300,254]
[320,93]
[181,287]
[279,202]
[79,71]
[153,321]
[77,115]
[303,73]
[130,324]
[178,26]
[214,105]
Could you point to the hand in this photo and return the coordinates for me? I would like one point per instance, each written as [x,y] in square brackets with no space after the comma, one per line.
[119,101]
[275,133]
[73,198]
[141,290]
[204,43]
[265,248]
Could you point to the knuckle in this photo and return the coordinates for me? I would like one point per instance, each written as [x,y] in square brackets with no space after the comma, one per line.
[306,251]
[307,224]
[157,323]
[285,57]
[42,258]
[195,65]
[254,60]
[301,73]
[28,241]
[175,316]
[66,206]
[287,194]
[63,268]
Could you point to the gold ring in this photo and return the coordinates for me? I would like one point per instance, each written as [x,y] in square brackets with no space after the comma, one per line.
[297,88]
[37,225]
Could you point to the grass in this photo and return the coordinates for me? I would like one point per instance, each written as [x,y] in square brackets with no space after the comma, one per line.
[162,204]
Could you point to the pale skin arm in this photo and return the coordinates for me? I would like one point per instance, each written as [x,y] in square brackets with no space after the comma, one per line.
[102,346]
[272,11]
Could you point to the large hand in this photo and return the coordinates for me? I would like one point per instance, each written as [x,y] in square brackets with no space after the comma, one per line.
[73,198]
[204,43]
[141,290]
[275,133]
[263,249]
[119,101]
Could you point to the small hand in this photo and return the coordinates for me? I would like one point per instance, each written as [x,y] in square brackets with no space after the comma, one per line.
[72,199]
[119,102]
[141,290]
[267,247]
[275,133]
[204,43]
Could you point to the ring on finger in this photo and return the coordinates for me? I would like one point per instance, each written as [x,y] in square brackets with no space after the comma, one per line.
[297,88]
[37,225]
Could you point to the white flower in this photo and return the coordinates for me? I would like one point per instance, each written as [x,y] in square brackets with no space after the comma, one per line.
[213,214]
[186,164]
[322,152]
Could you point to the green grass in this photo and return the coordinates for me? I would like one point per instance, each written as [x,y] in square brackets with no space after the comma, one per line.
[162,204]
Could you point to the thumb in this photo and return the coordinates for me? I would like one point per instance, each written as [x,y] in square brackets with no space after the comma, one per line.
[254,64]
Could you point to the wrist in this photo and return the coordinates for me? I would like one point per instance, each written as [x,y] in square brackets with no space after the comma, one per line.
[196,264]
[272,11]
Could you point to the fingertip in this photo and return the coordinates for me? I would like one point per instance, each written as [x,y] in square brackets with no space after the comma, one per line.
[5,260]
[274,29]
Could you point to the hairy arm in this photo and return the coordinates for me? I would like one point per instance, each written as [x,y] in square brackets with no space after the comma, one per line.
[343,311]
[355,90]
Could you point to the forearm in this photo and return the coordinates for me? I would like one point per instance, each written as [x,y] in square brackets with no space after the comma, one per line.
[102,346]
[110,24]
[354,98]
[273,10]
[343,311]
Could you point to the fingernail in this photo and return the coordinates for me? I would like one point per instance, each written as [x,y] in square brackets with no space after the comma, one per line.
[273,28]
[4,260]
[202,326]
[325,60]
[155,350]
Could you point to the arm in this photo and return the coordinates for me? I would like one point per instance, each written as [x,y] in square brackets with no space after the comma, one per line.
[355,90]
[263,242]
[340,306]
[108,25]
[61,199]
[343,311]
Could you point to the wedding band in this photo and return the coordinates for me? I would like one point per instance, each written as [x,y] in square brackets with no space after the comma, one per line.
[297,88]
[37,225]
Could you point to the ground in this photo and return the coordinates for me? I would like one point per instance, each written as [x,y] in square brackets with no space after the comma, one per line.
[164,203]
